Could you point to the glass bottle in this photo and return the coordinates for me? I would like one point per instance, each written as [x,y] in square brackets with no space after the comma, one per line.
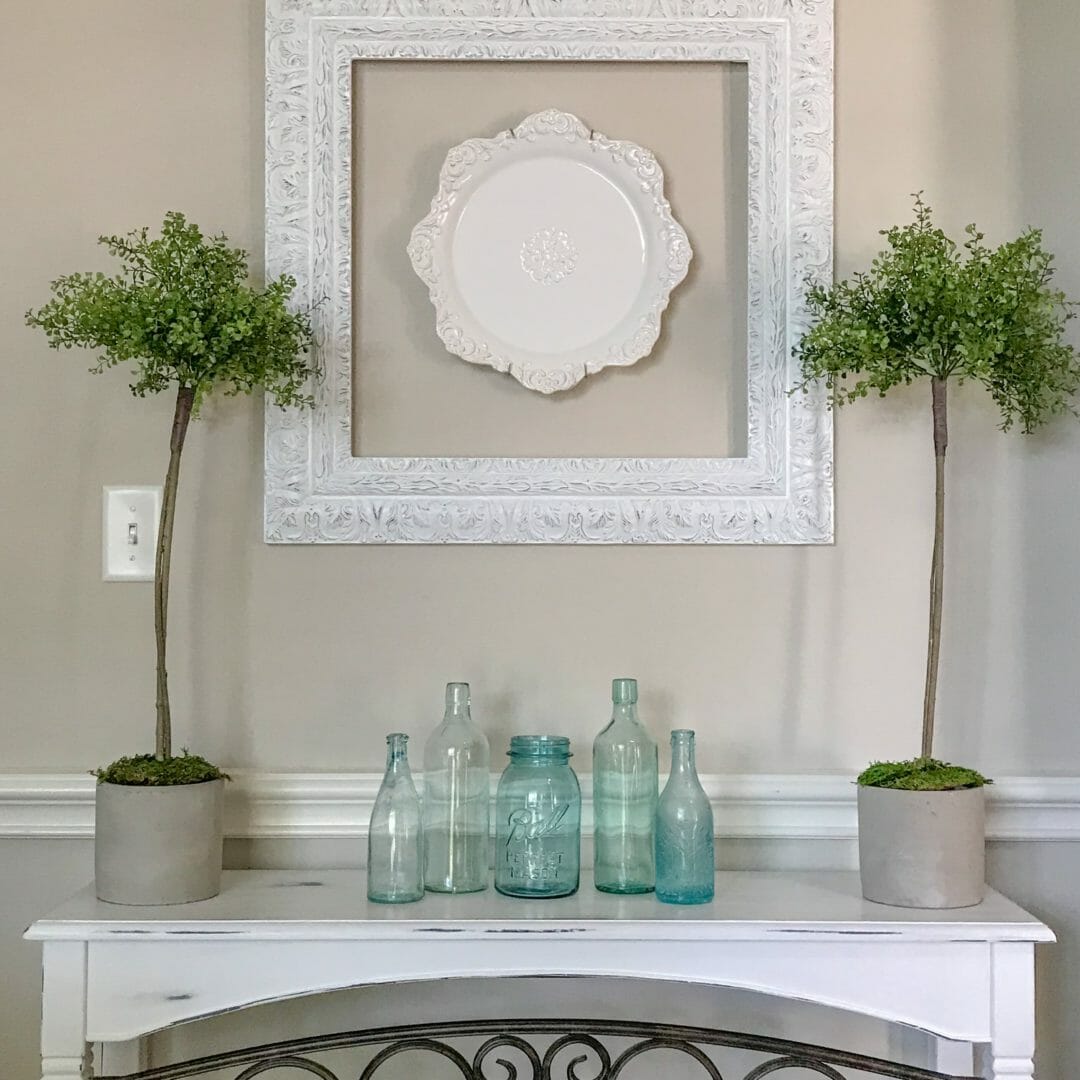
[685,854]
[457,800]
[625,785]
[395,835]
[538,820]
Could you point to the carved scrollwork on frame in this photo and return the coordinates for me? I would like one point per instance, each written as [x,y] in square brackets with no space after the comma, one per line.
[317,491]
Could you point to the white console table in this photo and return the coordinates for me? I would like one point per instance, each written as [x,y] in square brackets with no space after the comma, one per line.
[114,974]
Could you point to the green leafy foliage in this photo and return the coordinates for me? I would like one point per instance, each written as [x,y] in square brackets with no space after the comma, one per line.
[921,774]
[928,307]
[145,770]
[181,309]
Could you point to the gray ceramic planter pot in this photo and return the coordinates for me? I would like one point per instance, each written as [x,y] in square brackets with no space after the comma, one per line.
[922,849]
[158,845]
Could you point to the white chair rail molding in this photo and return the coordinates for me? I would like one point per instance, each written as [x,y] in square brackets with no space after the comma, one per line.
[329,806]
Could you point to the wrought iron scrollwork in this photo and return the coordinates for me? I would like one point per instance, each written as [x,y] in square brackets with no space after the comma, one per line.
[505,1042]
[402,1046]
[567,1050]
[795,1061]
[682,1046]
[287,1061]
[582,1041]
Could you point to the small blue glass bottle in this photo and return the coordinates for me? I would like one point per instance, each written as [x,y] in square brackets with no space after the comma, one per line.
[395,868]
[538,820]
[685,848]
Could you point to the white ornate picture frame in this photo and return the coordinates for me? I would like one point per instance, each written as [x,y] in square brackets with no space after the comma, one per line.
[780,492]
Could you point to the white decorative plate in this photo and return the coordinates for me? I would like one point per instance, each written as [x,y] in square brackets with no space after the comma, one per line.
[550,251]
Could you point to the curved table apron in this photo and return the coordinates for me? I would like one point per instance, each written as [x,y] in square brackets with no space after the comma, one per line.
[113,974]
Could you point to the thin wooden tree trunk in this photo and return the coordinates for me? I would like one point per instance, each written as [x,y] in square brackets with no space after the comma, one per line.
[939,390]
[185,399]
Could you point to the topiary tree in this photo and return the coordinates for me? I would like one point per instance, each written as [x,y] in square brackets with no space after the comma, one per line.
[182,311]
[930,309]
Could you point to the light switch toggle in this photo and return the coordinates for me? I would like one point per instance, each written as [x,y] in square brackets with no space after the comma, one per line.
[129,532]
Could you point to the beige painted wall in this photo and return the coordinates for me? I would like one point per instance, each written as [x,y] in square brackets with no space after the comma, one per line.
[301,657]
[784,659]
[687,399]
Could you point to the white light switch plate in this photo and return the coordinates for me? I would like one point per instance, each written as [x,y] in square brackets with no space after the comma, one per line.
[129,526]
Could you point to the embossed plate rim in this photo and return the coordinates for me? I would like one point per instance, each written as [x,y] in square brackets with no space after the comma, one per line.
[628,166]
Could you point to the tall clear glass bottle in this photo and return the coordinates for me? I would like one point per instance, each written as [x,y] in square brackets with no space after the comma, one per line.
[625,783]
[685,848]
[395,835]
[457,800]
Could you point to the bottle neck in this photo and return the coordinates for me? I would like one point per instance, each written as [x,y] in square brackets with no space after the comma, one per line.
[682,753]
[457,713]
[540,760]
[397,754]
[457,704]
[539,750]
[625,713]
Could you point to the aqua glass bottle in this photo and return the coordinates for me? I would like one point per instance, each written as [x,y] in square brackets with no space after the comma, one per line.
[685,848]
[538,820]
[625,784]
[457,800]
[395,835]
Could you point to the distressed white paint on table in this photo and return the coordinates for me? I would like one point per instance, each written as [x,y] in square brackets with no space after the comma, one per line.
[116,973]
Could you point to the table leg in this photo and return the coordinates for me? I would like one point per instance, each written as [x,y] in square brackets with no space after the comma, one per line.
[1012,1018]
[63,1012]
[120,1058]
[952,1057]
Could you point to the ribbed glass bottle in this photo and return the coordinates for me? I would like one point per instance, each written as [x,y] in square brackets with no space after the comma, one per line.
[685,851]
[625,784]
[395,836]
[457,800]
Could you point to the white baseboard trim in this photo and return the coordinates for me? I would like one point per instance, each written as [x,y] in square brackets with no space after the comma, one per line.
[338,805]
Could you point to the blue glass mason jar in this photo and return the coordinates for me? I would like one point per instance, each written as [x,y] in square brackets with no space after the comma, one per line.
[538,820]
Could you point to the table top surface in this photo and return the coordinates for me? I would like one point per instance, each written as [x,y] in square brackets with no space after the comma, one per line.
[303,905]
